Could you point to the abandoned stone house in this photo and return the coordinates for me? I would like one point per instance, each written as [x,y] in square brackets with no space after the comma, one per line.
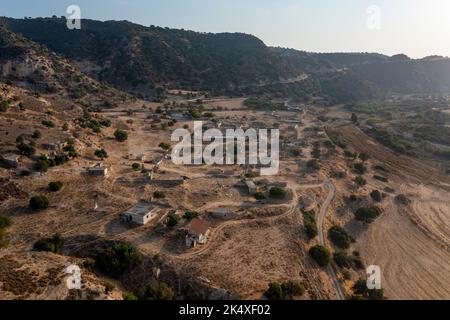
[221,213]
[98,171]
[141,214]
[197,233]
[251,187]
[11,160]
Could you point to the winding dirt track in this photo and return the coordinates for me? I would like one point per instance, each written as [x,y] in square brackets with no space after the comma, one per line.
[320,219]
[324,209]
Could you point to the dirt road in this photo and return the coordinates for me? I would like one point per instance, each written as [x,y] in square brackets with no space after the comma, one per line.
[320,219]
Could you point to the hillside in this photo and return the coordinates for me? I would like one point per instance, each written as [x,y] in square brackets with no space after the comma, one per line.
[34,67]
[147,60]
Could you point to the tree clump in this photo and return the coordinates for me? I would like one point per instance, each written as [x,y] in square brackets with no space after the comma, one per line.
[117,258]
[321,255]
[53,244]
[39,203]
[367,215]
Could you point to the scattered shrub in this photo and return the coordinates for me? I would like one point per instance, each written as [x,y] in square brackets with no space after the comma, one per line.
[136,166]
[364,156]
[339,237]
[36,134]
[321,255]
[380,178]
[165,146]
[260,196]
[361,291]
[26,149]
[5,222]
[55,186]
[121,135]
[367,215]
[101,153]
[172,220]
[360,181]
[402,199]
[53,244]
[157,291]
[159,194]
[310,224]
[376,195]
[48,123]
[39,203]
[189,215]
[278,193]
[274,292]
[342,259]
[117,258]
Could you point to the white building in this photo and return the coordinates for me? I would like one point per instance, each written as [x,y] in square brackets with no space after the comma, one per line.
[141,214]
[198,233]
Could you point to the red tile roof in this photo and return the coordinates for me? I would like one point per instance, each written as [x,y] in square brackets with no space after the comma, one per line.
[198,227]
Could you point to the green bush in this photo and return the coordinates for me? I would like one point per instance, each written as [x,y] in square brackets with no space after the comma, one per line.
[292,289]
[5,222]
[136,166]
[361,291]
[313,165]
[53,244]
[342,259]
[172,220]
[321,255]
[309,221]
[380,178]
[274,292]
[121,135]
[36,134]
[48,123]
[360,168]
[101,153]
[70,149]
[402,199]
[286,290]
[26,149]
[278,193]
[159,194]
[376,195]
[367,215]
[364,156]
[39,203]
[115,259]
[165,146]
[260,196]
[129,296]
[360,181]
[339,237]
[55,186]
[189,215]
[157,291]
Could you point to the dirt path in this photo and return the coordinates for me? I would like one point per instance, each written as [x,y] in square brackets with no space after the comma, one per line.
[320,219]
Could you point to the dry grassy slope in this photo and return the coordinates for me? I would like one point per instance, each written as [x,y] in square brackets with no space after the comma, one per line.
[409,243]
[33,66]
[41,276]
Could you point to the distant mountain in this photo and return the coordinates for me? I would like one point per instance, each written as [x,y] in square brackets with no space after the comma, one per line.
[146,60]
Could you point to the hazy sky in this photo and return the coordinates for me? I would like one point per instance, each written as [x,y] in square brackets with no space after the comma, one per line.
[415,27]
